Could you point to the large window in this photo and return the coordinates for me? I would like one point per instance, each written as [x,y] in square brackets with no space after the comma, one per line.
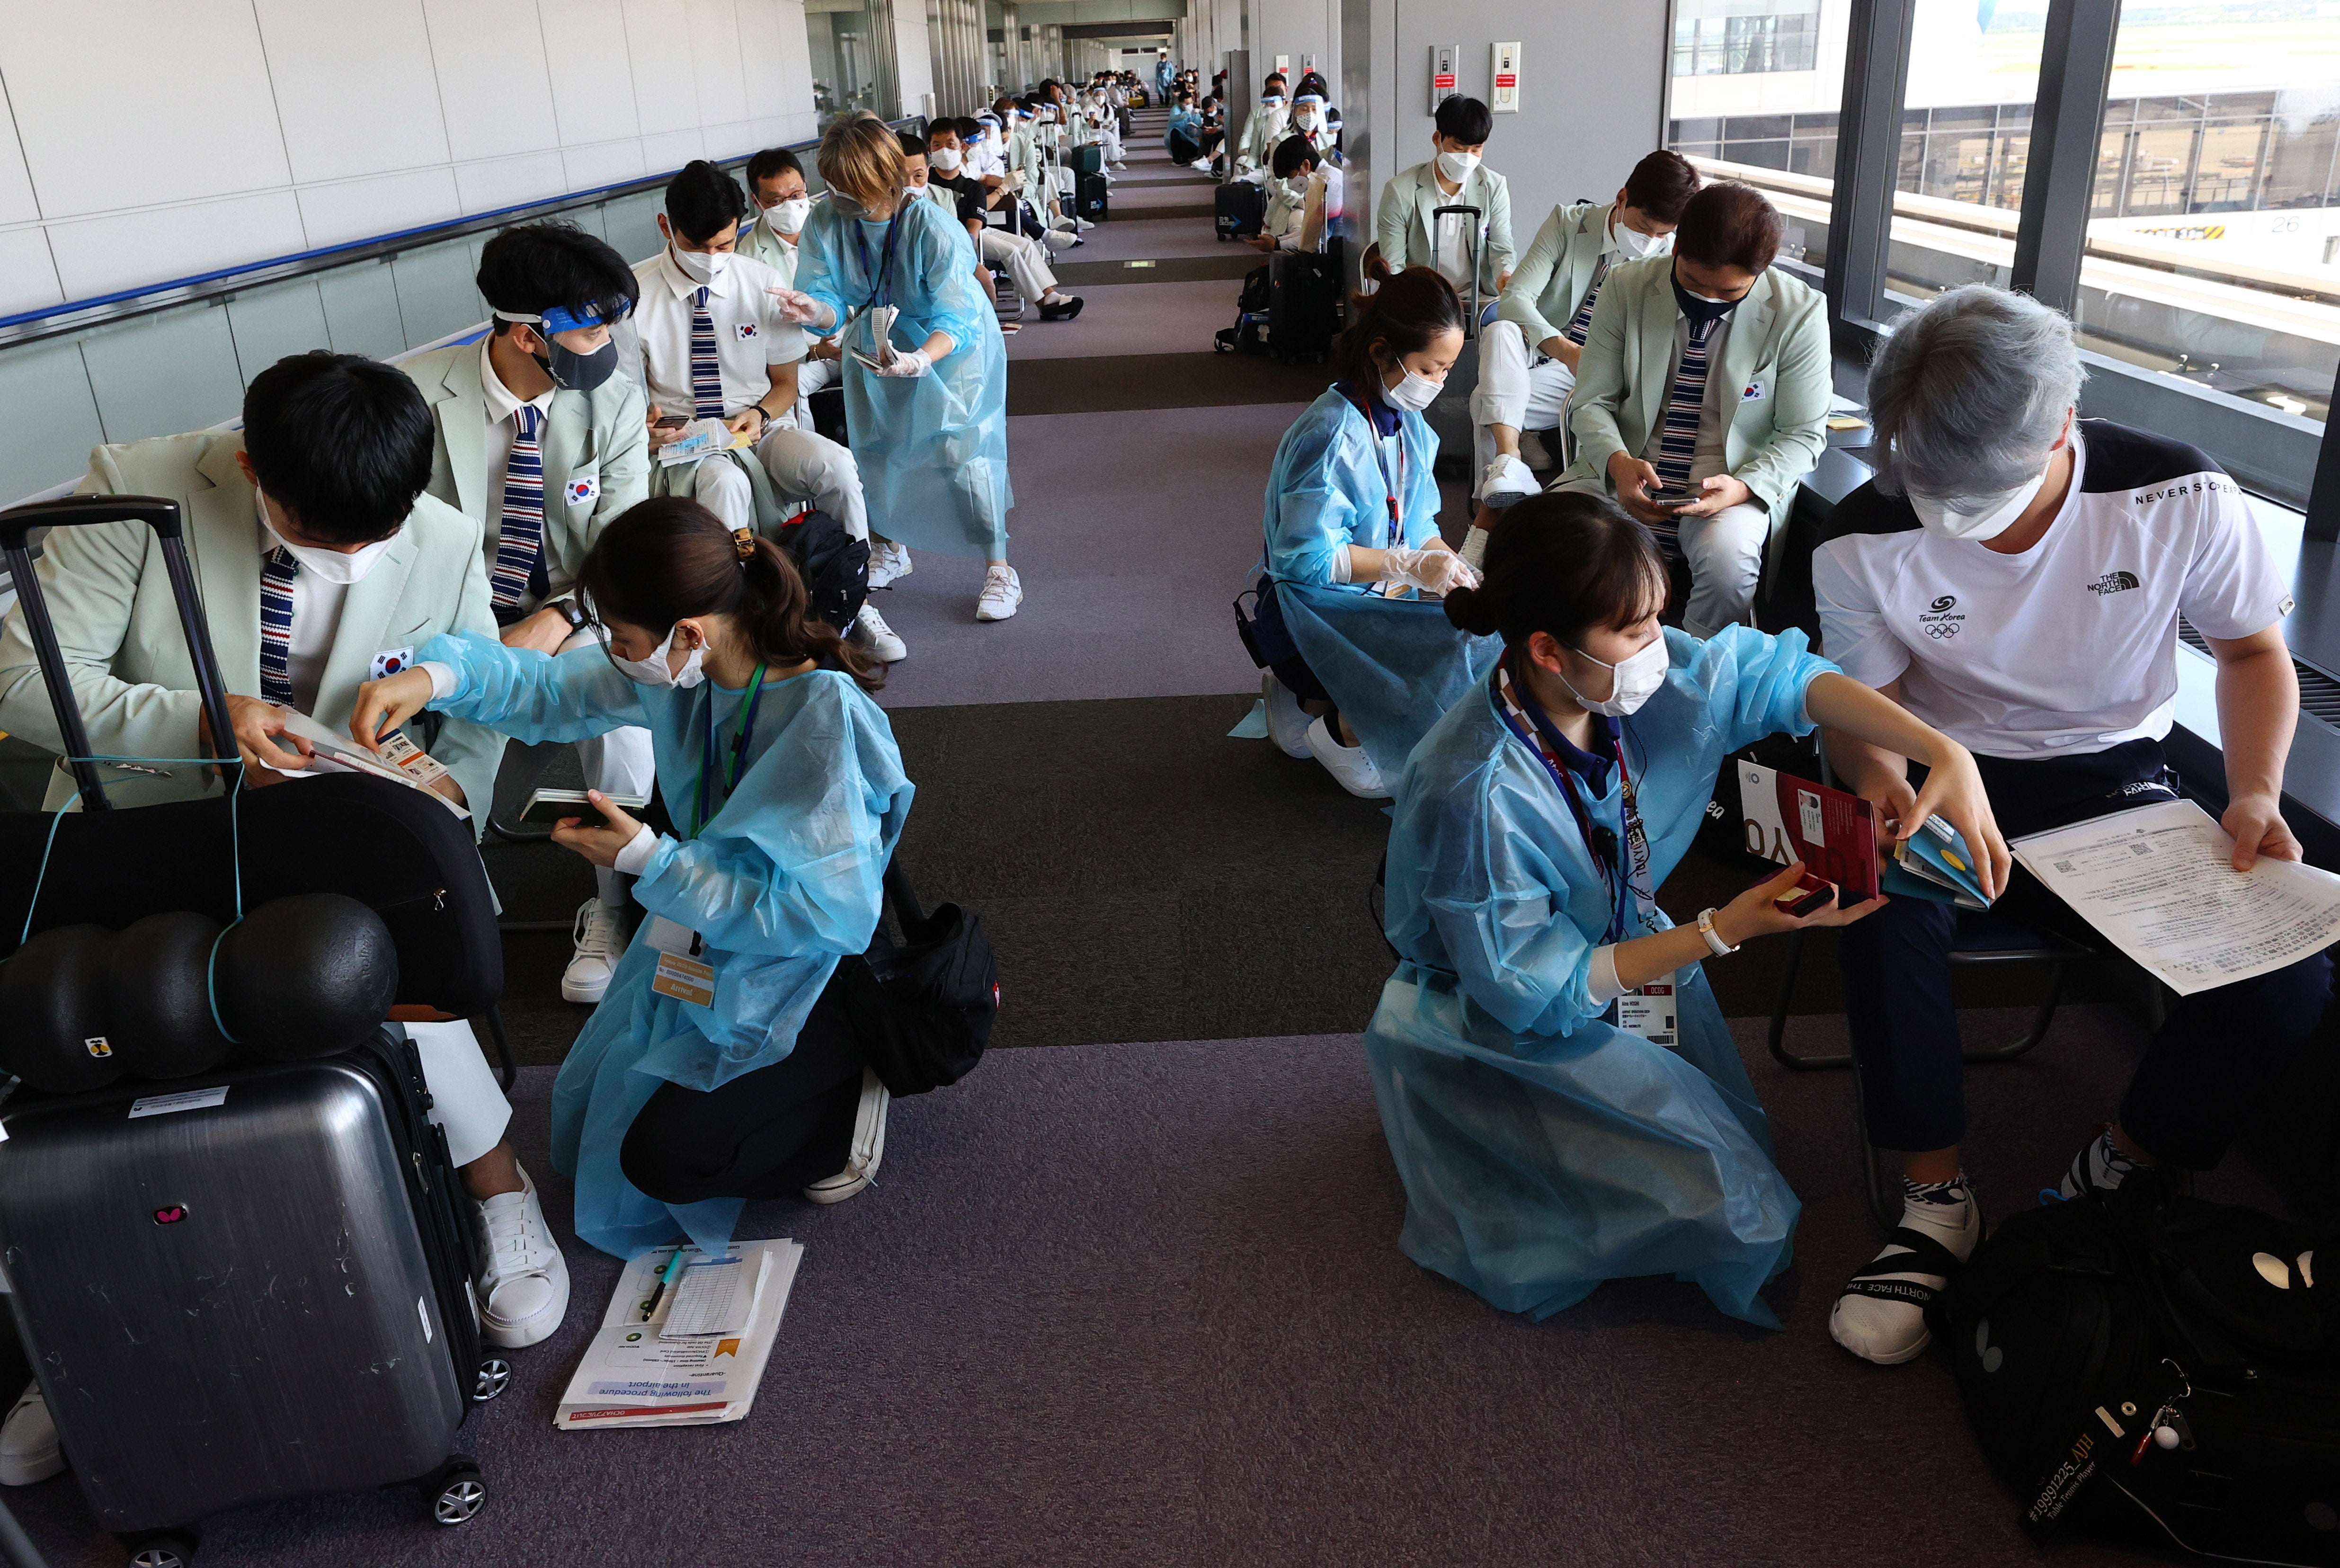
[1739,37]
[852,58]
[1755,91]
[2214,238]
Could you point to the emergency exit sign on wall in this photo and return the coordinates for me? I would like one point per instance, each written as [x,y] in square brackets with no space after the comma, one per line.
[1504,99]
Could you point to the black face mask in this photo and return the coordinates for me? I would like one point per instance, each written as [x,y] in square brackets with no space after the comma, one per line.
[1698,309]
[573,372]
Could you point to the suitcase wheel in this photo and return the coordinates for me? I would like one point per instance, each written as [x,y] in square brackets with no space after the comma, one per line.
[495,1371]
[454,1492]
[161,1549]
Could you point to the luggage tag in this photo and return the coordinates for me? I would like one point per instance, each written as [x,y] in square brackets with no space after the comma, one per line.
[681,973]
[1650,1012]
[410,759]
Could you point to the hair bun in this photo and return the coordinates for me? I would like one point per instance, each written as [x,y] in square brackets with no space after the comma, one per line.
[1467,611]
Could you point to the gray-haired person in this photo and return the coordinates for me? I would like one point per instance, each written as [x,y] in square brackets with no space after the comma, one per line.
[2014,577]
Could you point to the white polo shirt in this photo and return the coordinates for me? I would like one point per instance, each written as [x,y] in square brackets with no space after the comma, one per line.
[750,334]
[2072,645]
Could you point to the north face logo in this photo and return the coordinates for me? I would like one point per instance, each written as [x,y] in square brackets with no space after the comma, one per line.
[2112,582]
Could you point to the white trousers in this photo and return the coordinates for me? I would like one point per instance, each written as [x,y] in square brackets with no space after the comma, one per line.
[813,376]
[1027,262]
[1725,554]
[1514,391]
[804,467]
[465,1098]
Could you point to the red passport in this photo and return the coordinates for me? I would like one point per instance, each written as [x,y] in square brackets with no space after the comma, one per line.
[1785,818]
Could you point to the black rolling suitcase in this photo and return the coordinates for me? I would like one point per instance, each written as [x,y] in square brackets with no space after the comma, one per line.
[1090,196]
[283,1248]
[1238,209]
[1303,302]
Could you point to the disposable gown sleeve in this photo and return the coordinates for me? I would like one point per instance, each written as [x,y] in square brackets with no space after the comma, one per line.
[1757,681]
[534,697]
[817,264]
[1499,905]
[1421,482]
[794,863]
[946,286]
[1316,513]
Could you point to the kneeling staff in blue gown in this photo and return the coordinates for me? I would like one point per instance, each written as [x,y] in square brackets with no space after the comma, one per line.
[721,1032]
[1559,1090]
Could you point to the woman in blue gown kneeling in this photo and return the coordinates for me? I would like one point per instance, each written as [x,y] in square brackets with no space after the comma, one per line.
[1560,1092]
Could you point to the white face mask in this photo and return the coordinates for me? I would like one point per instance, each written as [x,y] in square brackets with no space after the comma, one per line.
[1306,119]
[1632,243]
[1710,299]
[327,565]
[655,671]
[1415,393]
[1457,166]
[947,159]
[1633,680]
[788,217]
[1980,517]
[1295,189]
[700,266]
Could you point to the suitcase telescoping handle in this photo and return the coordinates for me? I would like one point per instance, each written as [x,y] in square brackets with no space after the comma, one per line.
[1471,322]
[160,514]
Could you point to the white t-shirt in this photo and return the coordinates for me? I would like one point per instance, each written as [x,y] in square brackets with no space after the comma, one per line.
[2072,645]
[750,334]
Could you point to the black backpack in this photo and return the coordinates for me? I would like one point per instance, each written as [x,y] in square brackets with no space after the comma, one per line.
[834,564]
[922,1009]
[2157,1370]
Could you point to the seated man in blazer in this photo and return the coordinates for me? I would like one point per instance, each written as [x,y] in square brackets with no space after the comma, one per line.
[541,443]
[1456,177]
[321,563]
[1702,396]
[1527,357]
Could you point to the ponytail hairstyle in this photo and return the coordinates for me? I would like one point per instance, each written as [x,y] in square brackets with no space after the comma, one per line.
[1563,562]
[670,557]
[1410,311]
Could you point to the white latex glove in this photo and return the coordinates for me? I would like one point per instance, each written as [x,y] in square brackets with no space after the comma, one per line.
[906,362]
[1431,571]
[803,308]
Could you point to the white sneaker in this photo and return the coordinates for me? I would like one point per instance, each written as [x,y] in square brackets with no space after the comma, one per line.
[1083,223]
[1881,1316]
[1508,482]
[888,563]
[1349,766]
[28,1441]
[874,637]
[1003,592]
[1287,723]
[1060,238]
[523,1284]
[1533,453]
[601,942]
[869,1150]
[1474,548]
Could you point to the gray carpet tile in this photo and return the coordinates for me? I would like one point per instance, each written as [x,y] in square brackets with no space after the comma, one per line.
[1144,1305]
[1139,315]
[1198,378]
[1129,234]
[1230,267]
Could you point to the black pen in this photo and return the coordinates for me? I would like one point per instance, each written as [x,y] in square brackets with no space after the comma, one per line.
[650,1308]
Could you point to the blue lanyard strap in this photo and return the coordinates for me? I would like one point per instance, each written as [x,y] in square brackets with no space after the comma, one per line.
[739,757]
[1624,863]
[1395,486]
[879,281]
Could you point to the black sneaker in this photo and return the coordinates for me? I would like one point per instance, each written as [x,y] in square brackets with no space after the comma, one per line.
[1065,310]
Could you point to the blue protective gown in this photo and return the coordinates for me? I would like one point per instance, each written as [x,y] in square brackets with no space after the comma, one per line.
[932,449]
[784,879]
[1542,1150]
[1393,665]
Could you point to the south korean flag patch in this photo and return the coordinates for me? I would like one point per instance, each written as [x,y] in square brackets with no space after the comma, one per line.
[583,488]
[744,330]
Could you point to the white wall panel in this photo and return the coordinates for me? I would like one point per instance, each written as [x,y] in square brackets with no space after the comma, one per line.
[715,61]
[28,278]
[498,183]
[351,209]
[100,255]
[88,117]
[796,64]
[338,65]
[16,203]
[665,153]
[493,86]
[606,164]
[592,77]
[658,43]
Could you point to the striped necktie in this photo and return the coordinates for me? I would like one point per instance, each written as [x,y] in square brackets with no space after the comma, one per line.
[706,369]
[1581,322]
[520,539]
[1678,446]
[276,575]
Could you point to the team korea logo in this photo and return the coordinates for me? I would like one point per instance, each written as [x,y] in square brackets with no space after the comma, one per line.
[1940,621]
[2112,582]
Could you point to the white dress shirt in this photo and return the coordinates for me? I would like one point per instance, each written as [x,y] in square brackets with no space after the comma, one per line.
[316,618]
[1708,461]
[750,334]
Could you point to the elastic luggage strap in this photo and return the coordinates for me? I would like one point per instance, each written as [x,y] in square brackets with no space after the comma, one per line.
[235,871]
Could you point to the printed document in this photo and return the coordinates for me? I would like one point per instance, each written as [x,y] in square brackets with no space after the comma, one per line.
[634,1373]
[2159,883]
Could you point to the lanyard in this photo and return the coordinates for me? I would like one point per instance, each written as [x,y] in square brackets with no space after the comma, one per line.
[1633,883]
[1396,486]
[879,279]
[747,715]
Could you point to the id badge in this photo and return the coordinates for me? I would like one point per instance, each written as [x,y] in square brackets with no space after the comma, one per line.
[1649,1013]
[685,980]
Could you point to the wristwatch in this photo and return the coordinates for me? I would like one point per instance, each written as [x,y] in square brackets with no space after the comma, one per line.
[1714,942]
[569,612]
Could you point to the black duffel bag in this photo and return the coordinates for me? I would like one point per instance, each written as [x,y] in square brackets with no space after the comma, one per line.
[2156,1370]
[922,1009]
[834,564]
